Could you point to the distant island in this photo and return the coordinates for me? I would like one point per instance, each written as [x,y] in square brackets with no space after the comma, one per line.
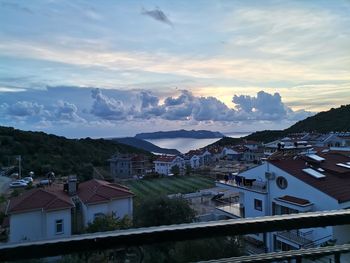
[145,145]
[200,134]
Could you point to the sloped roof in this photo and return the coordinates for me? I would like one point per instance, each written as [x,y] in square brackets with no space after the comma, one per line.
[336,182]
[38,199]
[97,191]
[166,158]
[295,200]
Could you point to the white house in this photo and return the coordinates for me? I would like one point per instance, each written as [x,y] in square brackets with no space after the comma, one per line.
[293,184]
[164,163]
[100,198]
[46,213]
[39,214]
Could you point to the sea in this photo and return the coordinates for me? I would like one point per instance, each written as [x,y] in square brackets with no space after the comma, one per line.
[186,144]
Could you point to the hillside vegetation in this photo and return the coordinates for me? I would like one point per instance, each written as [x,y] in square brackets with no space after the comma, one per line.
[334,120]
[145,145]
[199,134]
[42,152]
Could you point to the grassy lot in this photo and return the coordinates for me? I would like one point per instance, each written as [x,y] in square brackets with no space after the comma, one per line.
[168,185]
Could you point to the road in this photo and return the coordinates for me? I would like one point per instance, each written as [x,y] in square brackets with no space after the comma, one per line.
[4,184]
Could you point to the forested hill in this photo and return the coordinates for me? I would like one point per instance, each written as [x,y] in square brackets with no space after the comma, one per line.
[336,120]
[43,152]
[199,134]
[145,145]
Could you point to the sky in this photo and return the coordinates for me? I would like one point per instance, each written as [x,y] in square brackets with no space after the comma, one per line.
[114,68]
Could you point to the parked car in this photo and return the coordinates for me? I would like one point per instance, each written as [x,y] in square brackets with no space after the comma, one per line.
[17,184]
[22,181]
[45,182]
[28,179]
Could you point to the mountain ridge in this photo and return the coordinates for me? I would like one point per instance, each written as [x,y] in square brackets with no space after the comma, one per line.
[42,152]
[145,145]
[194,134]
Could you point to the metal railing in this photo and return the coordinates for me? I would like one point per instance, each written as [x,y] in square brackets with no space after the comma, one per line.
[296,236]
[151,235]
[254,186]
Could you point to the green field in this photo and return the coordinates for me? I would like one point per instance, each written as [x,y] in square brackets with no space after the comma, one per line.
[168,185]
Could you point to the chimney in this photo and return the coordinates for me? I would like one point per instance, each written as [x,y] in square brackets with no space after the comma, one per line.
[72,185]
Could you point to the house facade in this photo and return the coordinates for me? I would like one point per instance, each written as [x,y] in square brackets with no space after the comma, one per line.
[164,163]
[100,198]
[39,214]
[126,165]
[293,184]
[53,212]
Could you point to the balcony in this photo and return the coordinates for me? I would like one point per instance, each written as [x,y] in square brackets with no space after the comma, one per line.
[122,240]
[295,236]
[256,186]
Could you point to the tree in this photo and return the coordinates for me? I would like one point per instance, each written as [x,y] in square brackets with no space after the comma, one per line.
[163,211]
[108,223]
[175,170]
[188,169]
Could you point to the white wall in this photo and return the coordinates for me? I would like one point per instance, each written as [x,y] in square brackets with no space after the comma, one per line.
[91,210]
[120,207]
[26,226]
[51,218]
[38,225]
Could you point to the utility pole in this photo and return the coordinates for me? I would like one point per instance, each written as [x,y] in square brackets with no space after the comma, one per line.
[19,158]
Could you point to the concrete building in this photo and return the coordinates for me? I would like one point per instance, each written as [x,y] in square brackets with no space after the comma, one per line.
[164,163]
[127,165]
[293,183]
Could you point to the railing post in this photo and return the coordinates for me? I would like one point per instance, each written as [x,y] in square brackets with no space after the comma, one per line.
[299,259]
[337,257]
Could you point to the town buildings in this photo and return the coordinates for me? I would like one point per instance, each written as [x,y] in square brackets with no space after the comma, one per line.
[56,211]
[290,182]
[164,163]
[124,166]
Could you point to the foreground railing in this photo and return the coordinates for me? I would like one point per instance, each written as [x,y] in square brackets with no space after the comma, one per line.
[151,235]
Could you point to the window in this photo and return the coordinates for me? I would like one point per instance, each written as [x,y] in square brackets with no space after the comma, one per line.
[99,215]
[258,204]
[59,226]
[281,182]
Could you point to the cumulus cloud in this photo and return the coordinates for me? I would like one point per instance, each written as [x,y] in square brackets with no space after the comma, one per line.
[187,107]
[24,108]
[108,108]
[66,111]
[148,99]
[266,106]
[158,15]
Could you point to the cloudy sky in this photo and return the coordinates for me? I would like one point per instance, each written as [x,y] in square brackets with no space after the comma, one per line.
[115,68]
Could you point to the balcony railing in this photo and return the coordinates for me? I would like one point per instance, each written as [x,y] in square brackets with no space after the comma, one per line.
[151,235]
[256,186]
[296,237]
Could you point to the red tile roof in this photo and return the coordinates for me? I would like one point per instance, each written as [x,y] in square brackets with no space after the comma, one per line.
[336,182]
[97,191]
[38,199]
[295,200]
[166,158]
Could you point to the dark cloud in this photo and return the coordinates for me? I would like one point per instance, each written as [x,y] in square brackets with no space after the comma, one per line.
[158,15]
[106,107]
[90,105]
[148,99]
